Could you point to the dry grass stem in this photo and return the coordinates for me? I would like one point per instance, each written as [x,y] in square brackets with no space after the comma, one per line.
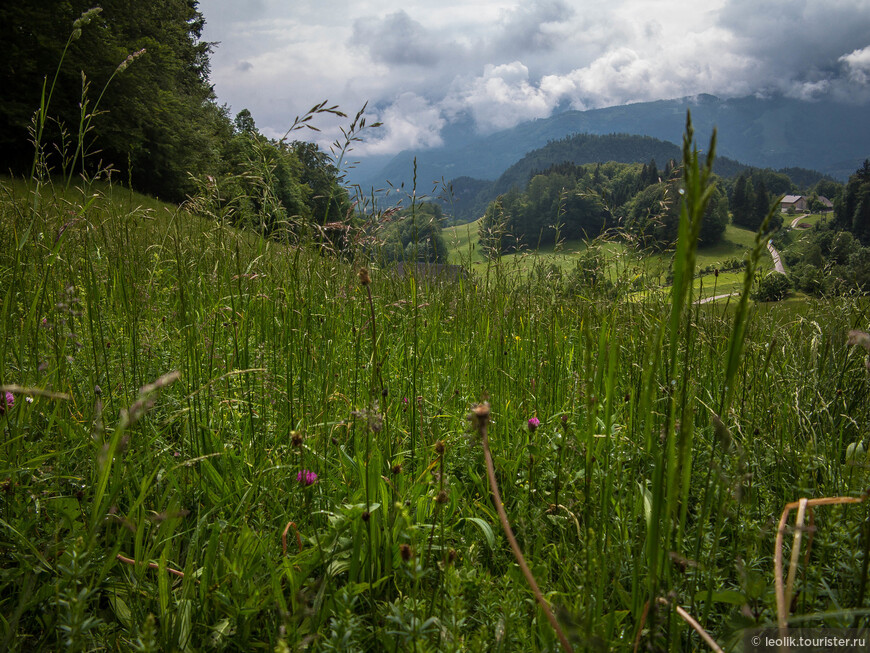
[782,597]
[34,392]
[479,417]
[795,549]
[685,616]
[287,528]
[151,565]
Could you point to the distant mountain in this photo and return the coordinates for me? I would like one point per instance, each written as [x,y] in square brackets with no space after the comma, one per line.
[777,132]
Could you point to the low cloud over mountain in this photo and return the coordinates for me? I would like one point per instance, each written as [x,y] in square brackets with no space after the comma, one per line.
[423,65]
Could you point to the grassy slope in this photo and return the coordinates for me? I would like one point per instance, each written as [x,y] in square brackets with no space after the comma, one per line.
[460,240]
[200,476]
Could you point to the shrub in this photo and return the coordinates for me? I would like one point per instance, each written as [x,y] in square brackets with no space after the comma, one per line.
[772,288]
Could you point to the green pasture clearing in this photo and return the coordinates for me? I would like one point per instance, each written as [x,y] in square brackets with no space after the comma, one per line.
[462,239]
[807,220]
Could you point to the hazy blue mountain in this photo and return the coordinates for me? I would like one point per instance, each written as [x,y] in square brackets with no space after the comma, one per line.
[777,132]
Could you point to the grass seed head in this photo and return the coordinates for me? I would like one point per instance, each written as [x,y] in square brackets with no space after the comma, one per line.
[479,416]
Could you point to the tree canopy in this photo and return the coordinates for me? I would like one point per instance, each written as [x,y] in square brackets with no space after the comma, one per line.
[416,235]
[136,74]
[581,201]
[852,209]
[160,120]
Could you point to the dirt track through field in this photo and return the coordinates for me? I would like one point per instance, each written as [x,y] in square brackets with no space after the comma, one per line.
[707,300]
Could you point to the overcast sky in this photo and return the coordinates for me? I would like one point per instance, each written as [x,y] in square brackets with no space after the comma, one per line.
[421,65]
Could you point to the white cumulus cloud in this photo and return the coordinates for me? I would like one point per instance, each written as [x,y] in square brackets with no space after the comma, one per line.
[410,121]
[858,64]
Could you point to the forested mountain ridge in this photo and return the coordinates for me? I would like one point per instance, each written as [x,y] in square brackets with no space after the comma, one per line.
[574,202]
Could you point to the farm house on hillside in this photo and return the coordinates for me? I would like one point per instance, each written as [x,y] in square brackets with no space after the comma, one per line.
[795,202]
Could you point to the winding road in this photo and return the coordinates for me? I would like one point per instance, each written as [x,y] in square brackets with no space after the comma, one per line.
[777,263]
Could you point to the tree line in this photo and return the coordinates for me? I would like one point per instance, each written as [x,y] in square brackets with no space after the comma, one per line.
[581,201]
[641,201]
[142,71]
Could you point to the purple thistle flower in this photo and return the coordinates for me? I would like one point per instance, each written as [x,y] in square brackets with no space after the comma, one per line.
[306,477]
[6,402]
[534,423]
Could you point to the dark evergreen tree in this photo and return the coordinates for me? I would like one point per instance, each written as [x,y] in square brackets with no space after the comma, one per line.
[715,219]
[653,215]
[650,173]
[852,209]
[760,205]
[416,235]
[329,200]
[244,122]
[740,202]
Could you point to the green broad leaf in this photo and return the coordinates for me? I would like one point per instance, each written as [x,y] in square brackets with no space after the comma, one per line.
[617,617]
[485,528]
[216,481]
[359,588]
[855,454]
[646,495]
[732,597]
[337,567]
[183,617]
[163,584]
[121,610]
[220,631]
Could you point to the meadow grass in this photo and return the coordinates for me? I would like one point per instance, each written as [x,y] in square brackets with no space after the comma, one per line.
[220,441]
[622,262]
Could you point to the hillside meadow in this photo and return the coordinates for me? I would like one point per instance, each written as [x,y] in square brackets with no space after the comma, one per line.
[622,262]
[218,441]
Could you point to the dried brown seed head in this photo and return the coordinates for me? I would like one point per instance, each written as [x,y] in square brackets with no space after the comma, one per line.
[479,415]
